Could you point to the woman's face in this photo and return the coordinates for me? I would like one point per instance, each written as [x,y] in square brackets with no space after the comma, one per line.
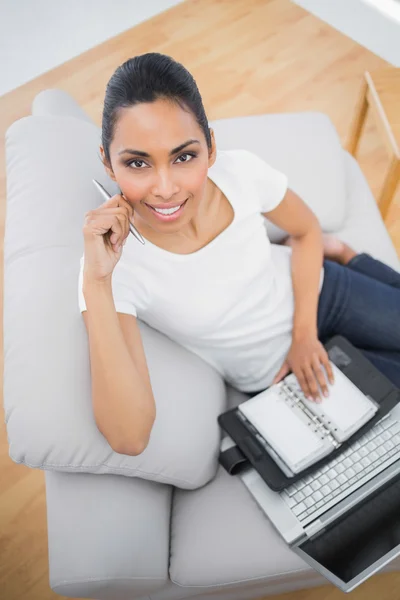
[159,156]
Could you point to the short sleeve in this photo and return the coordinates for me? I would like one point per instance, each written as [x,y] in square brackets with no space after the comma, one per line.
[271,184]
[121,290]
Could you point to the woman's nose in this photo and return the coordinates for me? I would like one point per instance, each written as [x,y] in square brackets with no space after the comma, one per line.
[164,186]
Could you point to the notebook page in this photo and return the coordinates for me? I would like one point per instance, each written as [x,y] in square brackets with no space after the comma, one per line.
[346,408]
[289,436]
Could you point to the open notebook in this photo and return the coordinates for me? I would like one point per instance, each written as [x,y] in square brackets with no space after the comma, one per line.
[298,432]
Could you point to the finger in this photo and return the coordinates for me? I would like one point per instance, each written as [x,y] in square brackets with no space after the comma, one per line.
[113,201]
[124,202]
[122,214]
[118,234]
[129,212]
[116,201]
[301,378]
[115,229]
[320,375]
[312,382]
[329,370]
[102,223]
[283,371]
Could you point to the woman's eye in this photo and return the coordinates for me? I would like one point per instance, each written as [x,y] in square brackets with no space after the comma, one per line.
[188,156]
[137,163]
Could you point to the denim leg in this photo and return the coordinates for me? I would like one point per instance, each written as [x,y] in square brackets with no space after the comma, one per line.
[332,300]
[362,309]
[364,263]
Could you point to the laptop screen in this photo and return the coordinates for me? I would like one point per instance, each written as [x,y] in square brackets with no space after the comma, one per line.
[364,536]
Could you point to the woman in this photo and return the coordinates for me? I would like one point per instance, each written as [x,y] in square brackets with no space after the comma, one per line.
[207,275]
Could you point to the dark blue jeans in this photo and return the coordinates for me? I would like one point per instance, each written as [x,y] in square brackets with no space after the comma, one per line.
[361,301]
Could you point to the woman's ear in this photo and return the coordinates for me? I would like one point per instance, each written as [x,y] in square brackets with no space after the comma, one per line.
[106,164]
[212,152]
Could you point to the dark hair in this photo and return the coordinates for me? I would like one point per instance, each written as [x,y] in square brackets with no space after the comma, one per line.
[147,78]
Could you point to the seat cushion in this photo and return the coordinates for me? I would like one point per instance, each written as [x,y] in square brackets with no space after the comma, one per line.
[47,383]
[220,536]
[108,537]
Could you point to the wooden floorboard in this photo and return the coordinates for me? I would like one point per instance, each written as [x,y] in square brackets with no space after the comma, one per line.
[248,57]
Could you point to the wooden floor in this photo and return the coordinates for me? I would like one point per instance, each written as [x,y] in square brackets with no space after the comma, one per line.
[248,57]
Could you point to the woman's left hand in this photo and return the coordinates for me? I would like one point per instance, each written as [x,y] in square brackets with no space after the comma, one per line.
[304,359]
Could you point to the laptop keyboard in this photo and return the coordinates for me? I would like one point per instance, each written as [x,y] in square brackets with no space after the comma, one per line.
[364,459]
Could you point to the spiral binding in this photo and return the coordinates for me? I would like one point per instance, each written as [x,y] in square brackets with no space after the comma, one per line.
[297,399]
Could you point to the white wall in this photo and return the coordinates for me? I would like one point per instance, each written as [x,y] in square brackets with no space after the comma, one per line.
[374,24]
[38,35]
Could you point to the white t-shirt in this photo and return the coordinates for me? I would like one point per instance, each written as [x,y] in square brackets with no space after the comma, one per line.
[230,302]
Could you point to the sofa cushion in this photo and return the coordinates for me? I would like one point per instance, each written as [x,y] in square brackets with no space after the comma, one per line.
[47,387]
[108,536]
[220,536]
[303,145]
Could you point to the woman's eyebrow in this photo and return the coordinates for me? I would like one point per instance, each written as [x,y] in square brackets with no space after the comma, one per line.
[147,155]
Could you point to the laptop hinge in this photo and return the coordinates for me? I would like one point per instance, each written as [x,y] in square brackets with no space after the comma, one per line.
[315,527]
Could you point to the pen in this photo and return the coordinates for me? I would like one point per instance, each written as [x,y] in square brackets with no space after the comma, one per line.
[107,196]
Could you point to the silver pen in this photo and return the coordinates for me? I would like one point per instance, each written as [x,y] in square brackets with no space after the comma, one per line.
[107,196]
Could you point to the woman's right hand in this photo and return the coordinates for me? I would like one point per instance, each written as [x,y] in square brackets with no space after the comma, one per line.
[105,231]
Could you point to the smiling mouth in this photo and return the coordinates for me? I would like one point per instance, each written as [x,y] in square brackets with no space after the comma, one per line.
[174,209]
[166,207]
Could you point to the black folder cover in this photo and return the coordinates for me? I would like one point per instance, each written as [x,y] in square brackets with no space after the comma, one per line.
[249,452]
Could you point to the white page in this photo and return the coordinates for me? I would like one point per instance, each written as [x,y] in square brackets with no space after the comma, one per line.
[346,407]
[289,436]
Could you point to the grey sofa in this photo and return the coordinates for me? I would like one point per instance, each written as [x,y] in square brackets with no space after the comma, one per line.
[123,538]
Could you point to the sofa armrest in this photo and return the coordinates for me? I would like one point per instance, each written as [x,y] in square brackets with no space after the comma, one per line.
[108,535]
[57,103]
